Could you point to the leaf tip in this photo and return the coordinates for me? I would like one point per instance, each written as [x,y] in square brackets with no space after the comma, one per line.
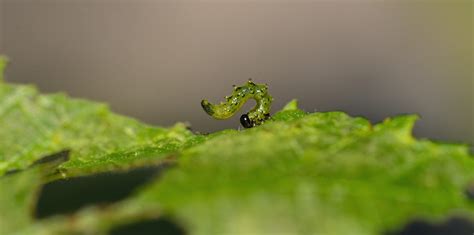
[292,105]
[401,126]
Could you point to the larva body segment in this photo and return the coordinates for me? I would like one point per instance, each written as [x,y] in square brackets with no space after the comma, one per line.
[256,116]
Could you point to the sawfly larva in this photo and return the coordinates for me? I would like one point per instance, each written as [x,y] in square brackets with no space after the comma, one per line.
[256,116]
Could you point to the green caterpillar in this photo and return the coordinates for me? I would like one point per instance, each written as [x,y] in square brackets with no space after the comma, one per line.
[255,117]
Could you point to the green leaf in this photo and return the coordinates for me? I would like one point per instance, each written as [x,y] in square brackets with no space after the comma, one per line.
[34,126]
[324,173]
[299,173]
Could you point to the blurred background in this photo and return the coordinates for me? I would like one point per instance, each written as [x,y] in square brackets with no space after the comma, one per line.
[156,60]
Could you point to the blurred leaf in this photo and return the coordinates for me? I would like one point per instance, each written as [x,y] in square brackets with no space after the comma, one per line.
[300,173]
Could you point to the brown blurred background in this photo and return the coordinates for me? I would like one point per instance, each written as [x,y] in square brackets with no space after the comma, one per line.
[155,60]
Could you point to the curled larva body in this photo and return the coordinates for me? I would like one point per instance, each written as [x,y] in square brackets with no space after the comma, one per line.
[256,116]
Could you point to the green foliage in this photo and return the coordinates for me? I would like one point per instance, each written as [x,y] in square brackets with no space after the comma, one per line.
[34,126]
[299,173]
[324,173]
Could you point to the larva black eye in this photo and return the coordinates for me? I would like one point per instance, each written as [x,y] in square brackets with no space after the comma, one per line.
[245,121]
[267,116]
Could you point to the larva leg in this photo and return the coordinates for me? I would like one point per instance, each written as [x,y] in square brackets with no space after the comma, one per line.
[256,116]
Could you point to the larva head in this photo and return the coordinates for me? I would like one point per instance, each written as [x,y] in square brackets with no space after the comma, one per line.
[207,107]
[245,121]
